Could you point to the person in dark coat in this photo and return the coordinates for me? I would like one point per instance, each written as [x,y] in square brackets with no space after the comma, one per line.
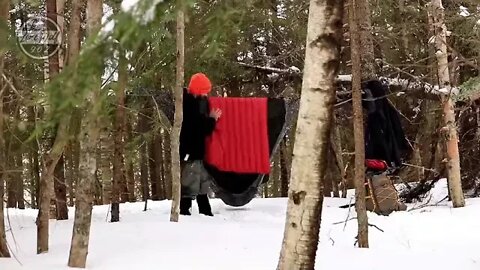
[384,135]
[198,123]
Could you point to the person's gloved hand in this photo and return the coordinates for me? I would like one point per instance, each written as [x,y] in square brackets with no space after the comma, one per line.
[215,113]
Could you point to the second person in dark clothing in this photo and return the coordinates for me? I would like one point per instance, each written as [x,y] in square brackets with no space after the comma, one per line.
[198,123]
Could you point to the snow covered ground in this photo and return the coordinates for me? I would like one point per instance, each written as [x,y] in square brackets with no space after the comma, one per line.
[434,237]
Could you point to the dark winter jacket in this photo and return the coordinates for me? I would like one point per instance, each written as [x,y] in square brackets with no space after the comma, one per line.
[196,126]
[384,136]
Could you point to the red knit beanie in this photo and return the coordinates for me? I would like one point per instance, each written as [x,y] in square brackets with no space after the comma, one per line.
[199,84]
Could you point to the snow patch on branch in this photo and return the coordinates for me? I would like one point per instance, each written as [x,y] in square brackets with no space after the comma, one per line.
[144,11]
[416,83]
[464,11]
[429,88]
[128,5]
[107,19]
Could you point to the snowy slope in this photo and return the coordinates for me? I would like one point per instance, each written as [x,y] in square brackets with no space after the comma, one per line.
[434,237]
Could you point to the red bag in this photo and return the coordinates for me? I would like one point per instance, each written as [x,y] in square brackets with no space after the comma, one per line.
[376,164]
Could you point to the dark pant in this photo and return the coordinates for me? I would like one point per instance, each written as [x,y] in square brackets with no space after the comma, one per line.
[195,182]
[195,179]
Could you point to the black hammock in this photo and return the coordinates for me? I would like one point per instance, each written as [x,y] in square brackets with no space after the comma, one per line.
[238,189]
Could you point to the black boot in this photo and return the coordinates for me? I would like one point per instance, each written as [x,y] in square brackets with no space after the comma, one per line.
[185,205]
[204,205]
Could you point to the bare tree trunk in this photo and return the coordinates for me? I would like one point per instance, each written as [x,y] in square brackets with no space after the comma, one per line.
[69,173]
[305,198]
[60,191]
[14,152]
[142,128]
[153,171]
[88,141]
[9,149]
[284,169]
[11,181]
[119,179]
[144,171]
[276,175]
[130,172]
[61,24]
[72,155]
[33,159]
[4,252]
[158,167]
[337,149]
[51,158]
[453,155]
[362,8]
[327,178]
[403,29]
[355,46]
[167,163]
[178,118]
[106,167]
[20,185]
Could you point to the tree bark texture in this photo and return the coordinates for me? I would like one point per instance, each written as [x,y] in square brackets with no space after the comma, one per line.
[284,169]
[4,252]
[60,191]
[159,160]
[142,128]
[34,168]
[50,160]
[362,8]
[13,151]
[167,163]
[178,116]
[119,177]
[20,185]
[305,198]
[359,178]
[130,167]
[337,149]
[89,138]
[154,181]
[69,173]
[450,128]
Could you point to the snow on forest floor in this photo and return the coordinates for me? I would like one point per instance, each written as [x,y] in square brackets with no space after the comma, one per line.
[433,237]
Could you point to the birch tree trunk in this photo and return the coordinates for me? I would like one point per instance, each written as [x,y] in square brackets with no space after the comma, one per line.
[359,179]
[4,252]
[119,178]
[305,196]
[453,155]
[88,140]
[178,117]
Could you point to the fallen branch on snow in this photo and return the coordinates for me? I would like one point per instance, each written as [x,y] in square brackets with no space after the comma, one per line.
[353,218]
